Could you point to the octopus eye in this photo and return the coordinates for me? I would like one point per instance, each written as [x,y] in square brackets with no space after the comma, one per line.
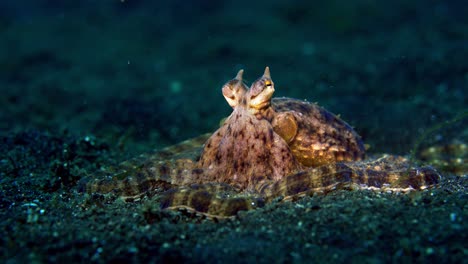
[260,93]
[233,91]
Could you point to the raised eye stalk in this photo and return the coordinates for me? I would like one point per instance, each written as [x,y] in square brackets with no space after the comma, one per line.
[234,90]
[261,91]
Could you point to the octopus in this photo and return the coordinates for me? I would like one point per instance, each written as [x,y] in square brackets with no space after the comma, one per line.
[267,149]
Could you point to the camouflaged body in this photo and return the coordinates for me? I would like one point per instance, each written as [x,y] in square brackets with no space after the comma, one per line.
[265,149]
[266,139]
[321,136]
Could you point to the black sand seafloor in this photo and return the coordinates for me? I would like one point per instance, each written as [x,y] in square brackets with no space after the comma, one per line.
[87,84]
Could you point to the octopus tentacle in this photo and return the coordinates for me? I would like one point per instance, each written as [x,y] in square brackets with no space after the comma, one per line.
[218,200]
[388,173]
[211,200]
[146,172]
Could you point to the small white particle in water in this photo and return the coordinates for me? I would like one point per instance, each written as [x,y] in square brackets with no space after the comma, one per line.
[133,250]
[453,217]
[29,205]
[429,251]
[176,87]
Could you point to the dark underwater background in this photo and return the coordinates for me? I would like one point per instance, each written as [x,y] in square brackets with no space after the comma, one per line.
[89,83]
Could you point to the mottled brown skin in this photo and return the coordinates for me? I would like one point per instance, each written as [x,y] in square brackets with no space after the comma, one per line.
[266,139]
[315,136]
[321,137]
[246,151]
[264,149]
